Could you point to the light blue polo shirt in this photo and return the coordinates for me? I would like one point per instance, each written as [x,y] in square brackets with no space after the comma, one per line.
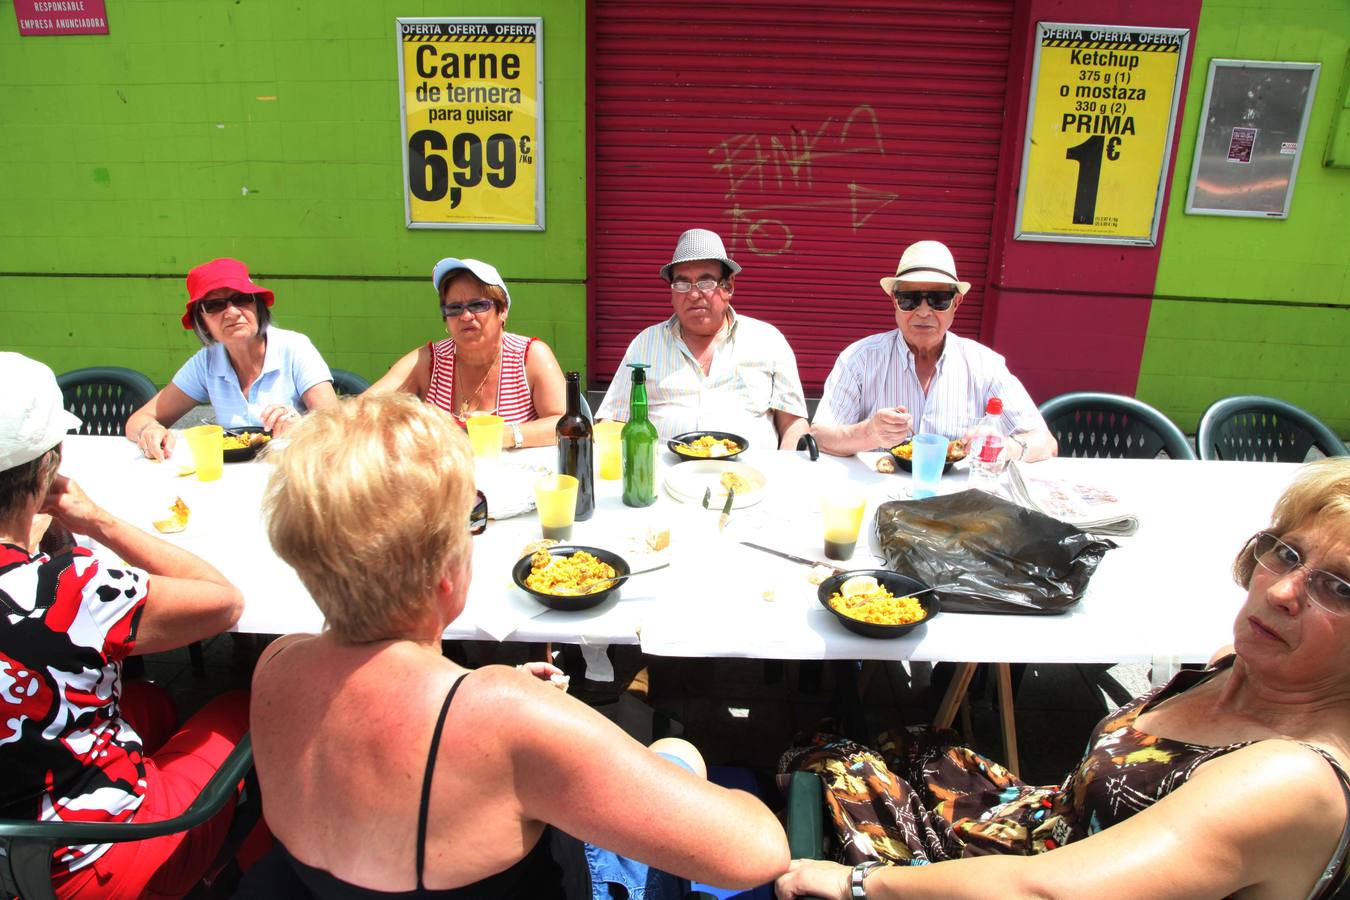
[291,366]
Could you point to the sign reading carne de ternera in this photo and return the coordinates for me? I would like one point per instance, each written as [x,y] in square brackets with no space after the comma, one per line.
[473,101]
[1099,132]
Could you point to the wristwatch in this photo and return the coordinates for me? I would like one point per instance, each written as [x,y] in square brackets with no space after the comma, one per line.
[518,439]
[856,889]
[1021,443]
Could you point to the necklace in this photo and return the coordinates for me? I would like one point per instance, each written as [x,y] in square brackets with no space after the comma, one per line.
[466,400]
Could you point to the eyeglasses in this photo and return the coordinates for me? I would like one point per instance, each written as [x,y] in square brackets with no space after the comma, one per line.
[1331,592]
[478,516]
[477,307]
[938,301]
[216,307]
[706,285]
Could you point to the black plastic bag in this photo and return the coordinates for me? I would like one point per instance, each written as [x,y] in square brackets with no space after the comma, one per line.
[985,554]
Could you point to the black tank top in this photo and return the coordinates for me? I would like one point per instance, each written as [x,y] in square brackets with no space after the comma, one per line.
[536,877]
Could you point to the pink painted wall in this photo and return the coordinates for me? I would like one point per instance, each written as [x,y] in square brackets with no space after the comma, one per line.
[1071,317]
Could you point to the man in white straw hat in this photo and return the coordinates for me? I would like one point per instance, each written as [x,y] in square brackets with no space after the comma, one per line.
[712,368]
[77,743]
[920,378]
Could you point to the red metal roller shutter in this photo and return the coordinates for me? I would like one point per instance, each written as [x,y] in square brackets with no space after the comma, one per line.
[817,139]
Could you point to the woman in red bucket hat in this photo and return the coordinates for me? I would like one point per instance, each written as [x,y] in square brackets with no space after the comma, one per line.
[251,372]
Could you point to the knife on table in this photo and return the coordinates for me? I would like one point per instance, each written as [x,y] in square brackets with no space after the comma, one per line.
[788,556]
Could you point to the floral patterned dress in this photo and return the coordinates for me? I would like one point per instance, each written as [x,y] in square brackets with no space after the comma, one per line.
[921,799]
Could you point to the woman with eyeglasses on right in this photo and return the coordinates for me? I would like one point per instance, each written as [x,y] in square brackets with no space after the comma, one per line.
[481,367]
[251,372]
[920,378]
[1226,782]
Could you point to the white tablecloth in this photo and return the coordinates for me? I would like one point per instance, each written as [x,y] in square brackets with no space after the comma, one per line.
[1165,593]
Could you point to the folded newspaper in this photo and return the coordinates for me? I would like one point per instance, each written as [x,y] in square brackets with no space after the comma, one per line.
[1090,507]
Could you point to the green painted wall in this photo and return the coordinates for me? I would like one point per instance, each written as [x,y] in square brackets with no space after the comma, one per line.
[1251,305]
[265,131]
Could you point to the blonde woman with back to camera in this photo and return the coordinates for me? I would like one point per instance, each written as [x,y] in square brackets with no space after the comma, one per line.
[387,767]
[1229,781]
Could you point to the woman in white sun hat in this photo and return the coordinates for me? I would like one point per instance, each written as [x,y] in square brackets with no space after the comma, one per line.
[77,743]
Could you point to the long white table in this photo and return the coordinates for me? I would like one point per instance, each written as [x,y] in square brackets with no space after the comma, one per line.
[1165,593]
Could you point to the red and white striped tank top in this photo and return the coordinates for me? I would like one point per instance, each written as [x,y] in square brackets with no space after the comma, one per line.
[514,403]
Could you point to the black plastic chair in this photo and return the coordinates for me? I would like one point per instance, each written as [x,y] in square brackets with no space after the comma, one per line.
[26,847]
[347,383]
[104,397]
[1263,429]
[1113,426]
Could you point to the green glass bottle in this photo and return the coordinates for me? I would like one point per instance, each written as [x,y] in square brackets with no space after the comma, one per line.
[639,445]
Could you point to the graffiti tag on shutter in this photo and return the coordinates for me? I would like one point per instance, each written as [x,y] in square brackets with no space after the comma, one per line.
[784,164]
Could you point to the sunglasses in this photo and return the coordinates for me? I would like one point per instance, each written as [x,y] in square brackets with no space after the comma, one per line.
[478,516]
[477,307]
[216,307]
[938,301]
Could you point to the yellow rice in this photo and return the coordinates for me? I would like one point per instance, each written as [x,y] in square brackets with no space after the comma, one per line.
[702,446]
[567,576]
[879,607]
[244,441]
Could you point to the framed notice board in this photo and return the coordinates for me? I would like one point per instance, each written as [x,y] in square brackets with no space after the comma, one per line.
[1100,117]
[472,99]
[1251,137]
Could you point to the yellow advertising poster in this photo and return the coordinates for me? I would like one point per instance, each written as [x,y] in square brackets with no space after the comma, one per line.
[473,150]
[1099,132]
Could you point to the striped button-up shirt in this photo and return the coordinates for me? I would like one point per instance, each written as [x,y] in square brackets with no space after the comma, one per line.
[878,373]
[753,372]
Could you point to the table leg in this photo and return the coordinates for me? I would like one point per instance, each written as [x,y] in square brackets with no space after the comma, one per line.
[1005,712]
[956,692]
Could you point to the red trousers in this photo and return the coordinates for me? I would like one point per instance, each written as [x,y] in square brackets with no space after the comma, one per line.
[177,767]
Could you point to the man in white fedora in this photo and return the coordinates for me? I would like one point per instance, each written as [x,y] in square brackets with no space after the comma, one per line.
[711,368]
[920,378]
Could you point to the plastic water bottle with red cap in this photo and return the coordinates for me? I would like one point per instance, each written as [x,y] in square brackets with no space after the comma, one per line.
[987,461]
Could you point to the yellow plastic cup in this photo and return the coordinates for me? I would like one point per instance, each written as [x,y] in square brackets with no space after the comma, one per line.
[485,434]
[555,496]
[608,450]
[207,443]
[843,515]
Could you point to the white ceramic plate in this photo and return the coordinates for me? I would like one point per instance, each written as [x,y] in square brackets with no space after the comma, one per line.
[688,481]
